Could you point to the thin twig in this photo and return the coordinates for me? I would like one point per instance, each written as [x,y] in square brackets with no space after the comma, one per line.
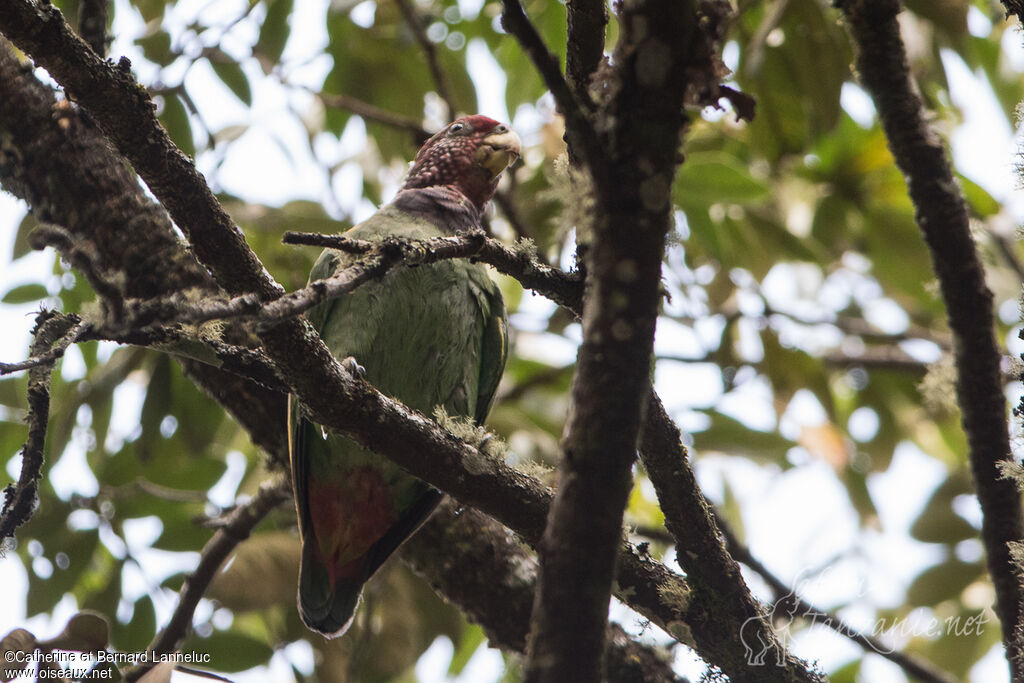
[913,666]
[415,22]
[240,524]
[20,499]
[82,256]
[373,113]
[1008,248]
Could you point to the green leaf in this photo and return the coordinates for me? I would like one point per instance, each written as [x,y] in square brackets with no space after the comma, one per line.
[157,47]
[174,118]
[950,16]
[943,582]
[23,294]
[138,631]
[978,198]
[230,651]
[156,406]
[711,177]
[21,245]
[472,638]
[180,533]
[150,9]
[730,436]
[938,523]
[275,30]
[232,75]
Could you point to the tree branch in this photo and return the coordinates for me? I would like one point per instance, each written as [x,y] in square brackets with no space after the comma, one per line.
[579,129]
[473,562]
[732,618]
[237,527]
[586,21]
[916,667]
[519,261]
[102,205]
[942,216]
[92,24]
[20,499]
[415,22]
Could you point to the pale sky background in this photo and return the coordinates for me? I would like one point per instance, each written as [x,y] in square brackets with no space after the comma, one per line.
[877,566]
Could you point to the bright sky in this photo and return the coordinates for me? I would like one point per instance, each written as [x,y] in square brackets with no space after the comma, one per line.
[775,503]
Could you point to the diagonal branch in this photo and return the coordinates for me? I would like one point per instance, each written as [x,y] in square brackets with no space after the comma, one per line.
[730,625]
[237,527]
[415,22]
[101,203]
[942,216]
[916,667]
[125,113]
[475,563]
[20,499]
[579,129]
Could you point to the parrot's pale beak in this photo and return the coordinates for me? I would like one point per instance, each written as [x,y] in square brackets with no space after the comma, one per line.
[498,151]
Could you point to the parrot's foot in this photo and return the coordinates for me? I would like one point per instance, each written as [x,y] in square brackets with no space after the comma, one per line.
[353,367]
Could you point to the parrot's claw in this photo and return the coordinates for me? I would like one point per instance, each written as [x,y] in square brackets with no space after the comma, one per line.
[353,367]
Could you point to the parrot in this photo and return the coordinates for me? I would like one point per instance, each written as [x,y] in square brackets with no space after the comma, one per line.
[430,336]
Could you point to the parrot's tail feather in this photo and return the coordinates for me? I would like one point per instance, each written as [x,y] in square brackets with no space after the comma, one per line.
[327,608]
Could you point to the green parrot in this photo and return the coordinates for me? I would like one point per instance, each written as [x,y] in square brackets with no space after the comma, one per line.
[433,335]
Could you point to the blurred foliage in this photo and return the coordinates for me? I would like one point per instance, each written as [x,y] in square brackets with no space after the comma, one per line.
[796,273]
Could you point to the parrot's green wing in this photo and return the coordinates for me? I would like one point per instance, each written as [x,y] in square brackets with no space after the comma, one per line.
[493,347]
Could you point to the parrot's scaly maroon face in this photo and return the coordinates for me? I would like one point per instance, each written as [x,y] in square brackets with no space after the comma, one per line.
[467,155]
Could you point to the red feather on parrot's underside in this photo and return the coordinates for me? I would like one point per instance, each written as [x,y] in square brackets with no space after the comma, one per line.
[358,510]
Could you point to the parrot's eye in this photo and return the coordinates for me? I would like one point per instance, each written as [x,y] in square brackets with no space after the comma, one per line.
[501,128]
[457,128]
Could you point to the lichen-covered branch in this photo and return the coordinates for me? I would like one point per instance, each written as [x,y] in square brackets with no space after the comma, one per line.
[519,261]
[586,21]
[942,216]
[914,666]
[730,617]
[102,206]
[20,499]
[475,563]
